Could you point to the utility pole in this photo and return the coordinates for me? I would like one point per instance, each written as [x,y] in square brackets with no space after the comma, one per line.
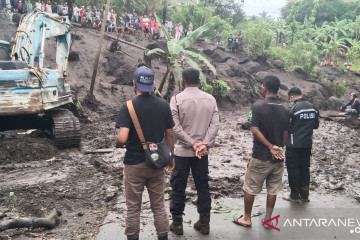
[101,39]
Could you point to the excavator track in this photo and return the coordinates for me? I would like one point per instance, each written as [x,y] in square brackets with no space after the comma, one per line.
[65,128]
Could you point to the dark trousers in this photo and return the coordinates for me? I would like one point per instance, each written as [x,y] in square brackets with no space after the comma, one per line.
[298,167]
[199,170]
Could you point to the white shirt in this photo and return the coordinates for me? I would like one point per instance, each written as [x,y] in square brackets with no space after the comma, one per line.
[38,5]
[76,11]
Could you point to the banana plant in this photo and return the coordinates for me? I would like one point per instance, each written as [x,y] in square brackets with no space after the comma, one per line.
[179,53]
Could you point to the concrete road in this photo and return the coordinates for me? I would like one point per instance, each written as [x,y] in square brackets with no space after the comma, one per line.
[324,217]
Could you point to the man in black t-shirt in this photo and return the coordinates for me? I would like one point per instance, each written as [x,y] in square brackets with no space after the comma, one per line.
[155,119]
[270,123]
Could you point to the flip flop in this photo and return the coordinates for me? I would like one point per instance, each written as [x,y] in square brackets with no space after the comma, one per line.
[265,226]
[288,198]
[236,221]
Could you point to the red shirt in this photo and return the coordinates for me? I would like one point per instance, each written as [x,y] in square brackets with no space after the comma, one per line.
[82,13]
[152,23]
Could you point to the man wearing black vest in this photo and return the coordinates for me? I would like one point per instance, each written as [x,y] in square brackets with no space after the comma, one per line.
[304,118]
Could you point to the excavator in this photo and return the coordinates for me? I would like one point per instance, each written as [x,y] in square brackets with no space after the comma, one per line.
[33,96]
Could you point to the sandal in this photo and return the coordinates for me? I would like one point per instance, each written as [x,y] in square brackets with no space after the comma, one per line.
[236,221]
[266,226]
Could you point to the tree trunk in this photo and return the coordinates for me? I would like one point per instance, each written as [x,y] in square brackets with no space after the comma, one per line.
[70,8]
[48,223]
[164,78]
[164,2]
[96,63]
[171,87]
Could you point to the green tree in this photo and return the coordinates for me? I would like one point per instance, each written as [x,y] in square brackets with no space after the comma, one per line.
[257,38]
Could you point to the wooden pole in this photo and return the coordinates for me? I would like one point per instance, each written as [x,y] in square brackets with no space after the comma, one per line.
[101,39]
[128,43]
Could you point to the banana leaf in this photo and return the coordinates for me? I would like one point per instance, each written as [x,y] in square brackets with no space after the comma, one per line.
[200,56]
[192,37]
[159,51]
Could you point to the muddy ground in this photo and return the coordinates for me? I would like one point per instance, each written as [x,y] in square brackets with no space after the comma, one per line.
[84,187]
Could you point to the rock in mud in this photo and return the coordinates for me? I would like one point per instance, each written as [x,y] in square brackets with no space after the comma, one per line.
[158,44]
[16,18]
[357,74]
[208,49]
[220,56]
[74,56]
[278,64]
[316,98]
[334,103]
[241,70]
[122,67]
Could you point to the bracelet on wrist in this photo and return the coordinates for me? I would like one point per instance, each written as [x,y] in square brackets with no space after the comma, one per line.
[271,147]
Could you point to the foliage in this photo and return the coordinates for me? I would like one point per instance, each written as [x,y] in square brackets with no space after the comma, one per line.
[337,89]
[355,65]
[257,39]
[180,52]
[220,88]
[219,25]
[299,55]
[304,55]
[197,14]
[327,10]
[229,10]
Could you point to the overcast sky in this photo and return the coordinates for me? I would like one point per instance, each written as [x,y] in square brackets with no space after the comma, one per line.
[272,7]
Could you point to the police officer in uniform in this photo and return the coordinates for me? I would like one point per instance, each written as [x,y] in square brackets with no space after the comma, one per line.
[304,117]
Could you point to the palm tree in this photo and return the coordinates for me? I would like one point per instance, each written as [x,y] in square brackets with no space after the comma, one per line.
[180,53]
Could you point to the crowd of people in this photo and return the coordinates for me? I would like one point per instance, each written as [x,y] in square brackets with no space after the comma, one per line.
[128,22]
[234,44]
[191,137]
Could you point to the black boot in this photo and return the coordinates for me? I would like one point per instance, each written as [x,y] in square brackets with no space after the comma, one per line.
[304,193]
[133,237]
[177,225]
[163,236]
[203,225]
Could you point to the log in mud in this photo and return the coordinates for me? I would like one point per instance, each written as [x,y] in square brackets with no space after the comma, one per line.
[32,223]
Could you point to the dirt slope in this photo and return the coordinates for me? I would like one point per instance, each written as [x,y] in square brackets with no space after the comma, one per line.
[84,186]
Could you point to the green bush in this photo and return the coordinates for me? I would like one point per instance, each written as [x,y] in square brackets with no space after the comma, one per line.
[257,39]
[217,88]
[219,25]
[220,88]
[197,14]
[303,55]
[337,89]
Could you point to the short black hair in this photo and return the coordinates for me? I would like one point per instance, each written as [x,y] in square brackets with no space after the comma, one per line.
[354,95]
[294,91]
[272,83]
[191,76]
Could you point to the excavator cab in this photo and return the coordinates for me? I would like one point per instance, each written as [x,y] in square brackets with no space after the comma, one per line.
[31,94]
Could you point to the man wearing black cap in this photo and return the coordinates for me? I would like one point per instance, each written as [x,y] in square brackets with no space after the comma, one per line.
[155,119]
